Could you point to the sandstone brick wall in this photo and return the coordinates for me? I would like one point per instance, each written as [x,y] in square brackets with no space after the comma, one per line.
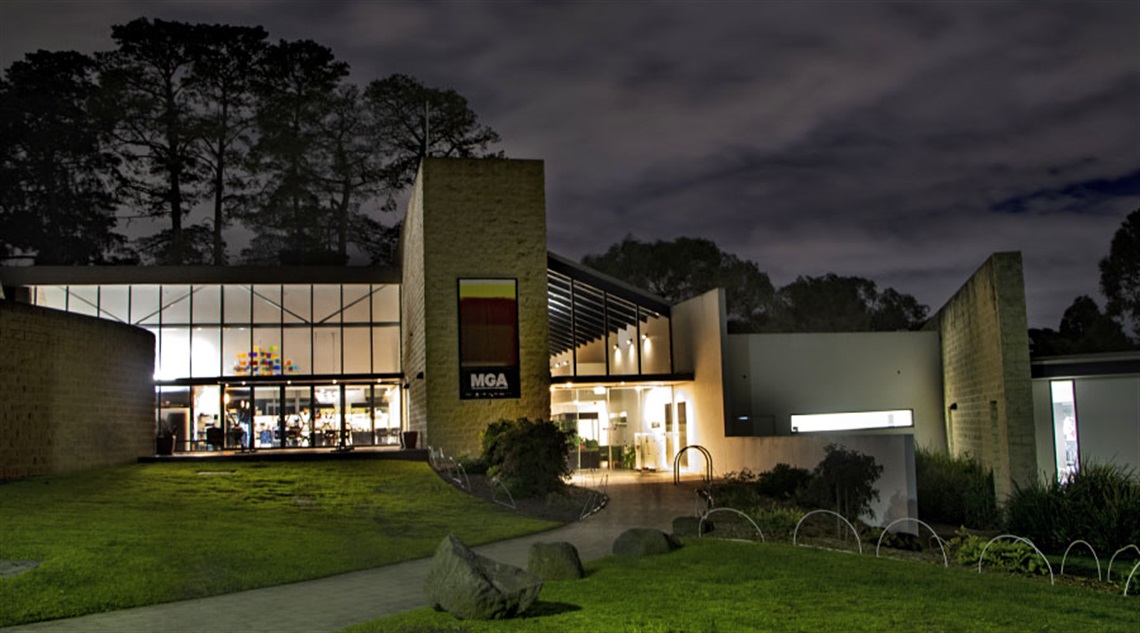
[76,392]
[412,309]
[472,218]
[985,364]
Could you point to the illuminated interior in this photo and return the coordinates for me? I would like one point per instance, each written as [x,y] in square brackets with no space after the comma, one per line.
[1065,428]
[855,421]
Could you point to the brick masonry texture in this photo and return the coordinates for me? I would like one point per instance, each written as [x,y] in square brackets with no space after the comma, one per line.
[985,364]
[76,392]
[472,218]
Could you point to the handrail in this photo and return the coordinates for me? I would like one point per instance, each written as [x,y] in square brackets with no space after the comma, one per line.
[858,541]
[708,464]
[701,525]
[938,539]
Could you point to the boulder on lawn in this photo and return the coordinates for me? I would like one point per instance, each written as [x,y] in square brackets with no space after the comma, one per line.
[474,587]
[555,561]
[644,542]
[690,526]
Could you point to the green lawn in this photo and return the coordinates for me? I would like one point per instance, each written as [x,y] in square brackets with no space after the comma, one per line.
[730,586]
[143,534]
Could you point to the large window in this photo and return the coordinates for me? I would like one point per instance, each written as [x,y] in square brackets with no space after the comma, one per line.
[215,330]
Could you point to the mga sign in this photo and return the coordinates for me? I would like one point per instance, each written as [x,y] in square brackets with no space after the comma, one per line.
[488,382]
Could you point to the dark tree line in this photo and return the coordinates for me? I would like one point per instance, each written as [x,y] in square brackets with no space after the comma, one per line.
[180,117]
[1084,327]
[686,267]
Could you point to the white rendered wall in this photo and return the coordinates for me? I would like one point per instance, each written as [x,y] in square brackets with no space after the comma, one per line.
[699,336]
[1108,421]
[773,376]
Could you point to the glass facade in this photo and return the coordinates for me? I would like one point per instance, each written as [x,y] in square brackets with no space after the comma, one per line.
[595,332]
[260,366]
[640,427]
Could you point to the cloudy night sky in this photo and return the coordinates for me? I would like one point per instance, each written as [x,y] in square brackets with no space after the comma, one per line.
[903,142]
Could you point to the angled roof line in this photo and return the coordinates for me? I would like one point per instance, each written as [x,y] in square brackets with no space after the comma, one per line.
[607,283]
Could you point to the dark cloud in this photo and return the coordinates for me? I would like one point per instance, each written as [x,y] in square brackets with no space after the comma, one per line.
[899,141]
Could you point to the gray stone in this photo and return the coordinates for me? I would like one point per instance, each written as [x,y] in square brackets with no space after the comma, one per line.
[644,542]
[690,526]
[474,587]
[555,561]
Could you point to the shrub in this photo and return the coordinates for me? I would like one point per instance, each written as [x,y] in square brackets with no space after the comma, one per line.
[777,523]
[844,482]
[529,457]
[1099,503]
[736,490]
[955,490]
[1007,555]
[782,482]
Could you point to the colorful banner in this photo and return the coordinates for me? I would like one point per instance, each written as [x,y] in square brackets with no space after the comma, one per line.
[488,339]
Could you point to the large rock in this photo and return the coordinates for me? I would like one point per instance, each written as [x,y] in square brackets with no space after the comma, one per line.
[690,526]
[644,542]
[555,561]
[474,587]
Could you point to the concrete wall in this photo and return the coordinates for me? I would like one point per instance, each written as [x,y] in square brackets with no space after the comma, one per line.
[471,218]
[699,336]
[772,376]
[985,359]
[76,392]
[699,329]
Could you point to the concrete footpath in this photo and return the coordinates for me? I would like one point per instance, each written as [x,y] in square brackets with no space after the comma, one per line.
[330,604]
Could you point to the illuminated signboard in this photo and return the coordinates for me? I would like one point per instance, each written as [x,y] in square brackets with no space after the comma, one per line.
[488,339]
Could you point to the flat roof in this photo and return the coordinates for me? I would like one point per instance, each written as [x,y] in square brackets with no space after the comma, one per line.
[96,275]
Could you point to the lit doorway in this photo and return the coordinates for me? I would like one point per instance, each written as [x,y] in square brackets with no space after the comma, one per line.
[1065,442]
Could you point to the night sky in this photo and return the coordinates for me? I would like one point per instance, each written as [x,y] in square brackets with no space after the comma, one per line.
[903,142]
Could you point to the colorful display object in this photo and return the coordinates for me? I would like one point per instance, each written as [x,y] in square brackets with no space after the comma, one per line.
[263,362]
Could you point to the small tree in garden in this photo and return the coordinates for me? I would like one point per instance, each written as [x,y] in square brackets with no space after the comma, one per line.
[529,457]
[844,481]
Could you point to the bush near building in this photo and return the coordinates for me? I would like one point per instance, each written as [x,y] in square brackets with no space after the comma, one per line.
[955,491]
[531,458]
[1100,503]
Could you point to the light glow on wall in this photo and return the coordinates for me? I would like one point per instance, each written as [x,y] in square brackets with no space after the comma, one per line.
[819,422]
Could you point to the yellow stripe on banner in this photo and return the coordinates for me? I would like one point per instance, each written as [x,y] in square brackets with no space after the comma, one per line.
[486,289]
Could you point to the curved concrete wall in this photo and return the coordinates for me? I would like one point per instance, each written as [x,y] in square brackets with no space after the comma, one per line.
[76,392]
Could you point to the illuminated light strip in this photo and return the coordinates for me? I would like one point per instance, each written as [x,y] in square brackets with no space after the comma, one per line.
[815,423]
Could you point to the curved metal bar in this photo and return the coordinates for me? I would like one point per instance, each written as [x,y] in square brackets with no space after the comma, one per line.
[1023,540]
[1129,582]
[1108,576]
[465,483]
[858,541]
[701,525]
[495,494]
[938,539]
[708,464]
[1062,572]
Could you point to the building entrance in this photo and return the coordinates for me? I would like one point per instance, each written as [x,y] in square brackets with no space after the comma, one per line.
[640,427]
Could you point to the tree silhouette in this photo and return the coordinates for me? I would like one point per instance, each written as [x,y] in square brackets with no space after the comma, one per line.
[56,205]
[1120,274]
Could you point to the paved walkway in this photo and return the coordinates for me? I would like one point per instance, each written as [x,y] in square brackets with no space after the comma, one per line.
[330,604]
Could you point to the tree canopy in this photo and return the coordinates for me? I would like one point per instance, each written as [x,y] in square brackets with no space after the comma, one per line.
[57,199]
[1084,330]
[200,126]
[1120,274]
[686,267]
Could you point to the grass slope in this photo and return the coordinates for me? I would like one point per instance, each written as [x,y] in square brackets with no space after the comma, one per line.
[730,586]
[143,534]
